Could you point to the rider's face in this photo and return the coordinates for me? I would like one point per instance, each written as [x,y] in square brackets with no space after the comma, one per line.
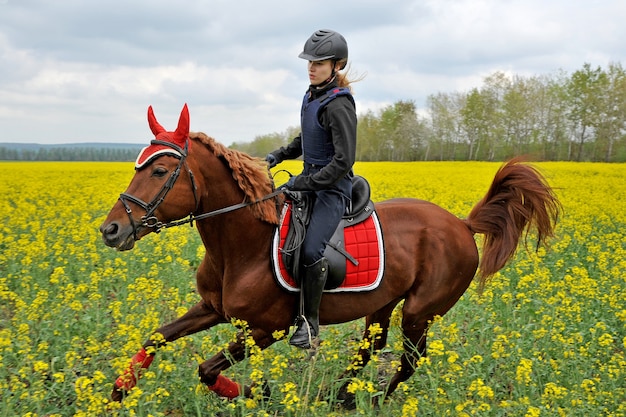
[320,71]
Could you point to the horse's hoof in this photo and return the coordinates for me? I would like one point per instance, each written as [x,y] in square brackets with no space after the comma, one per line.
[346,400]
[118,394]
[266,392]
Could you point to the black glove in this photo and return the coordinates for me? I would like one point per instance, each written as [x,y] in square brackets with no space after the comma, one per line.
[271,160]
[290,183]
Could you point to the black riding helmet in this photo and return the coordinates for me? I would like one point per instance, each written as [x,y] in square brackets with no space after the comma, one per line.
[325,44]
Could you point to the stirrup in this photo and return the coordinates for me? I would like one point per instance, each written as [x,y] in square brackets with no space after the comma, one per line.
[303,326]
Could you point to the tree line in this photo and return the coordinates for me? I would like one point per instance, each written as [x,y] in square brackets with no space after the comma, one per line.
[62,153]
[577,117]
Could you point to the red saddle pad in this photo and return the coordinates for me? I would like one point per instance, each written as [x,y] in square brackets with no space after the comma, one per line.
[363,241]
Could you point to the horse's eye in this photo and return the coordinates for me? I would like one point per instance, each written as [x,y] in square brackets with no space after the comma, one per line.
[159,172]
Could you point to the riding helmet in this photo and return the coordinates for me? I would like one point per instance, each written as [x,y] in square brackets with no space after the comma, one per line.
[325,44]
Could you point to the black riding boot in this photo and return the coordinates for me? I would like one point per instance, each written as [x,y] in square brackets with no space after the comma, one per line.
[311,287]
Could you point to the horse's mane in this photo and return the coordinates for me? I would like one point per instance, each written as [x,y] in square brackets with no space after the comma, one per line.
[251,174]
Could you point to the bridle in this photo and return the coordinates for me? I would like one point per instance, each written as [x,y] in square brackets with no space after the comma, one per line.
[149,220]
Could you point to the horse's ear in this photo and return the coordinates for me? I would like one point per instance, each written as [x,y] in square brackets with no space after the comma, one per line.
[182,131]
[154,125]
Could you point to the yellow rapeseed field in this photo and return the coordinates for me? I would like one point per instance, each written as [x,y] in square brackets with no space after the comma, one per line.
[547,337]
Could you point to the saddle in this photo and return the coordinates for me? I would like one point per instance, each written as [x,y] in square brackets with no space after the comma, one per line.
[360,209]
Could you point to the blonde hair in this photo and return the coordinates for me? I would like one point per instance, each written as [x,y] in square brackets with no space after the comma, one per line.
[346,77]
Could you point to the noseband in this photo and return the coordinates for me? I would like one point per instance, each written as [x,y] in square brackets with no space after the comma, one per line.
[149,219]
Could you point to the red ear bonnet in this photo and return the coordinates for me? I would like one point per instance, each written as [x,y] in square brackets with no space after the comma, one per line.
[178,138]
[182,131]
[152,122]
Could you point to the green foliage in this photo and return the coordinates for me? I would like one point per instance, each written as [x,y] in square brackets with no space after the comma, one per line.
[576,118]
[581,117]
[108,153]
[262,145]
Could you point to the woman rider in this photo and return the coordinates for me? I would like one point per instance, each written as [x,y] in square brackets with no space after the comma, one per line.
[327,143]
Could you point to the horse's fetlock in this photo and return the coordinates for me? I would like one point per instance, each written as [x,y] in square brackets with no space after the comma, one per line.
[206,379]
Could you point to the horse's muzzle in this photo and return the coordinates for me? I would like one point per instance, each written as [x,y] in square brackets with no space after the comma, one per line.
[118,236]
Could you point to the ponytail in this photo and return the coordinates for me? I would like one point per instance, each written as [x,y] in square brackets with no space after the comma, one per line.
[344,79]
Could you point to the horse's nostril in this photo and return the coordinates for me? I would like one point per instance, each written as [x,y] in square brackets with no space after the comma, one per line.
[110,229]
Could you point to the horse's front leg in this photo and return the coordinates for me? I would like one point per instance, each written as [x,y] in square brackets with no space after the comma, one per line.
[199,317]
[210,370]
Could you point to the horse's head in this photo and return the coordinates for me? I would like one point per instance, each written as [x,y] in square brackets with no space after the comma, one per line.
[153,196]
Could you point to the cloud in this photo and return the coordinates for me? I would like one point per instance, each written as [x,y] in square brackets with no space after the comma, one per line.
[86,71]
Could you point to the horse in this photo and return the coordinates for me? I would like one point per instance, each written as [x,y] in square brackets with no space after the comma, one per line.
[431,254]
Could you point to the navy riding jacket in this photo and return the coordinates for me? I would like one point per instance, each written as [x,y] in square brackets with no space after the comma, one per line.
[327,140]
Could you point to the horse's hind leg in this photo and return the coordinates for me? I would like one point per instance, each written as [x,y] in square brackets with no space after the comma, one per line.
[199,317]
[414,329]
[374,339]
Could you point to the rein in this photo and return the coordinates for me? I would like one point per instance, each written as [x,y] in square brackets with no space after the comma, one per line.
[158,226]
[150,221]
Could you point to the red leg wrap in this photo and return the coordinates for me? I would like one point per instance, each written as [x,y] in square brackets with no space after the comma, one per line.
[140,361]
[224,387]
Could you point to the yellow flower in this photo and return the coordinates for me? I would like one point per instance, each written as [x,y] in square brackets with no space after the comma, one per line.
[452,357]
[483,391]
[291,401]
[375,330]
[533,412]
[278,334]
[357,385]
[410,408]
[41,367]
[605,340]
[279,364]
[523,373]
[57,274]
[553,391]
[435,348]
[166,366]
[588,385]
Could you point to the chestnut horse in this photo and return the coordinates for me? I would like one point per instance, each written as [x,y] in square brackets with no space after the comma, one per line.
[431,255]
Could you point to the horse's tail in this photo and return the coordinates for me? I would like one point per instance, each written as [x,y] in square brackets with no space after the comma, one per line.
[519,199]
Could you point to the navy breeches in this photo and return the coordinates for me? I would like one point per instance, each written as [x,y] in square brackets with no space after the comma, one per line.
[328,209]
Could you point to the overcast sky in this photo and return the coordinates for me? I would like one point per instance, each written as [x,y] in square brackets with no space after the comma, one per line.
[86,71]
